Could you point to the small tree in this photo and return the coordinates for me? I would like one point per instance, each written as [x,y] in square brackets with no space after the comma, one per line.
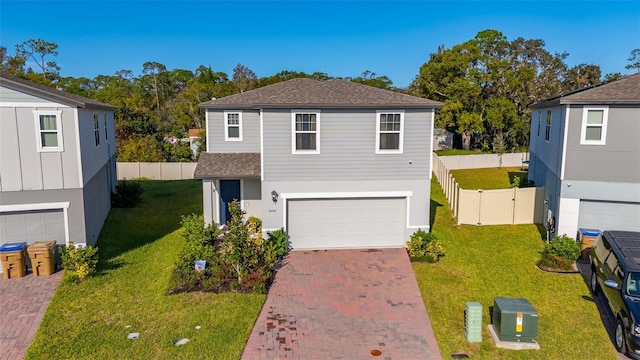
[237,249]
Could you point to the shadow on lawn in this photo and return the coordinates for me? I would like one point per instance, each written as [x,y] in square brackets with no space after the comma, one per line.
[159,214]
[433,209]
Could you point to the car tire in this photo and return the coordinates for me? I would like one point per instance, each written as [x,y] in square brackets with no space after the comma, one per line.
[593,284]
[619,338]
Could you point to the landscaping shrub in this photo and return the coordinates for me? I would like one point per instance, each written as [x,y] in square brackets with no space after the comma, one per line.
[78,262]
[241,260]
[424,246]
[128,194]
[560,253]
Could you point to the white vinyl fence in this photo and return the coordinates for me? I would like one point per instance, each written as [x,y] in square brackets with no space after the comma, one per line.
[155,171]
[488,207]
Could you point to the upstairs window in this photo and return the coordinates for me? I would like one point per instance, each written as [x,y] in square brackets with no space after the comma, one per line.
[106,136]
[539,121]
[547,132]
[49,128]
[233,126]
[96,129]
[306,132]
[389,132]
[594,126]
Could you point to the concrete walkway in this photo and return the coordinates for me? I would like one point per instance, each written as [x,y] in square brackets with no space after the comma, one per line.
[23,302]
[344,304]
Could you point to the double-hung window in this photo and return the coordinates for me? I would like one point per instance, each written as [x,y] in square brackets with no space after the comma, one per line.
[594,126]
[389,131]
[49,130]
[106,133]
[233,125]
[547,131]
[306,132]
[539,121]
[96,129]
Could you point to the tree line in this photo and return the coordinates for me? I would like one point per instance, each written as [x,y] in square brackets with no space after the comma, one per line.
[486,85]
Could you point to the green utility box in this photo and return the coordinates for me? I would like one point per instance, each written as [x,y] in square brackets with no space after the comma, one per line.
[515,320]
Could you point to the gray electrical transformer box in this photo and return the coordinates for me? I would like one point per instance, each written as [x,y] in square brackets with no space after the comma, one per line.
[514,319]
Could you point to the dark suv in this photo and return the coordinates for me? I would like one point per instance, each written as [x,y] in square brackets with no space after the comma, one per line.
[615,265]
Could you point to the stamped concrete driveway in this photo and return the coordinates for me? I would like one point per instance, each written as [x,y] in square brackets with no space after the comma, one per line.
[344,304]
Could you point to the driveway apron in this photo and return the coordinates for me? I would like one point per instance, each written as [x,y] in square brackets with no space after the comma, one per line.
[344,304]
[23,302]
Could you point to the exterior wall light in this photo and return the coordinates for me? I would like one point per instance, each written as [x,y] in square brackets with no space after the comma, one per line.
[274,196]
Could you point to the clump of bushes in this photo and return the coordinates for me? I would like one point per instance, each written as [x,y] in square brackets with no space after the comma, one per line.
[424,246]
[238,260]
[128,194]
[560,253]
[78,262]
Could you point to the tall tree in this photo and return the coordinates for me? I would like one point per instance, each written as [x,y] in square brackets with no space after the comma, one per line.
[244,78]
[39,51]
[372,79]
[634,60]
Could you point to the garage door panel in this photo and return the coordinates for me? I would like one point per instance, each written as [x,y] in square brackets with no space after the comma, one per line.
[609,215]
[343,223]
[31,226]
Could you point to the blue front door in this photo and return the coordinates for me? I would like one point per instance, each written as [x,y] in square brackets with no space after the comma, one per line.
[229,190]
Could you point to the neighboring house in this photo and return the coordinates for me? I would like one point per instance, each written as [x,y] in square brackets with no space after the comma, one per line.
[57,164]
[336,164]
[585,151]
[194,143]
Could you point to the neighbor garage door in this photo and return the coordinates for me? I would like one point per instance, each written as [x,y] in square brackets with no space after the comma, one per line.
[609,215]
[31,226]
[346,223]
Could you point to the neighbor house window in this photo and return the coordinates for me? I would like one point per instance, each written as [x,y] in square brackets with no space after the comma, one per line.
[49,128]
[106,136]
[96,129]
[389,131]
[594,126]
[306,131]
[233,126]
[547,131]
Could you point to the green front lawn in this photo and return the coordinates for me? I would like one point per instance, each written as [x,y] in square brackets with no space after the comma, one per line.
[138,248]
[488,178]
[484,262]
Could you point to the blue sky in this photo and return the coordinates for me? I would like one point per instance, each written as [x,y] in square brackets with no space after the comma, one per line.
[340,38]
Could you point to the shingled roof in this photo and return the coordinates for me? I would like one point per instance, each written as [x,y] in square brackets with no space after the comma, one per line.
[309,93]
[52,94]
[624,90]
[232,165]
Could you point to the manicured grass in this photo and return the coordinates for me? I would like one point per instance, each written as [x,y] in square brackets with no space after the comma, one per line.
[138,248]
[488,178]
[485,262]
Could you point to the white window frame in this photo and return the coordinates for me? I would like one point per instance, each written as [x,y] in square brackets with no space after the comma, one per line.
[378,132]
[226,126]
[36,118]
[583,131]
[539,122]
[294,132]
[547,129]
[106,133]
[96,129]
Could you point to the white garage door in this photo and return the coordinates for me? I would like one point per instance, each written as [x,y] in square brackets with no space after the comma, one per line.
[31,226]
[346,223]
[603,215]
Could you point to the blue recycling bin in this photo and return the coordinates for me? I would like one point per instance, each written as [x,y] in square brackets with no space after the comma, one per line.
[13,257]
[587,237]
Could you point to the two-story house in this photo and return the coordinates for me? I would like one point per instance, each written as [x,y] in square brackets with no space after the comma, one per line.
[57,164]
[335,163]
[585,151]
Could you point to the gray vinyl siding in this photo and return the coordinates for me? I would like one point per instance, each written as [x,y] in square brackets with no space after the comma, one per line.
[12,96]
[97,203]
[93,157]
[347,148]
[76,214]
[250,133]
[547,154]
[618,160]
[23,167]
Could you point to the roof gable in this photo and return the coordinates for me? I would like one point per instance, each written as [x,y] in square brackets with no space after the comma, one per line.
[309,93]
[50,93]
[624,90]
